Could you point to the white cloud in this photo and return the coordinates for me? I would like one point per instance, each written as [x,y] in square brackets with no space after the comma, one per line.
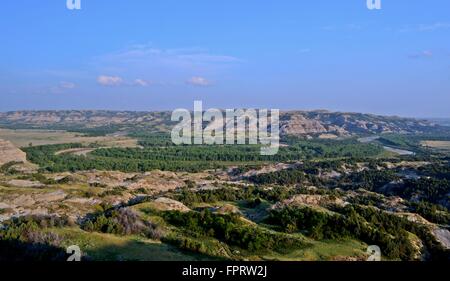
[141,83]
[105,80]
[199,81]
[109,80]
[165,66]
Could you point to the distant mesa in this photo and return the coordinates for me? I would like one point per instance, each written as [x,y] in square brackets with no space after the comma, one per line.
[300,123]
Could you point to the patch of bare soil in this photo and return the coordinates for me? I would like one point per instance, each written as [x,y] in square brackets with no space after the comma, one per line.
[267,169]
[330,175]
[25,183]
[76,151]
[228,209]
[10,153]
[415,218]
[406,164]
[443,236]
[310,200]
[440,145]
[35,203]
[83,201]
[152,182]
[156,181]
[348,259]
[167,204]
[51,197]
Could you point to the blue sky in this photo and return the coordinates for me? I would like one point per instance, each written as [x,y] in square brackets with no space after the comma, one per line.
[286,54]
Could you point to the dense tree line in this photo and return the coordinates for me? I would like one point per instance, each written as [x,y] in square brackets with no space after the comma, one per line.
[48,161]
[230,194]
[283,177]
[371,180]
[436,170]
[152,139]
[231,230]
[369,225]
[426,189]
[391,223]
[432,212]
[310,171]
[159,154]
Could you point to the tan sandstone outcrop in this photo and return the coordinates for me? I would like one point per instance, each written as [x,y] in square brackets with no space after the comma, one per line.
[10,153]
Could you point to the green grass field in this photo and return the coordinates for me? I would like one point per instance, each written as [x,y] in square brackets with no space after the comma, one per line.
[325,251]
[108,247]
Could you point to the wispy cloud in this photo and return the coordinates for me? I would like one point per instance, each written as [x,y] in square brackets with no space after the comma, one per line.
[67,85]
[141,83]
[148,55]
[162,66]
[426,27]
[434,26]
[105,80]
[60,88]
[115,81]
[199,81]
[422,54]
[141,66]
